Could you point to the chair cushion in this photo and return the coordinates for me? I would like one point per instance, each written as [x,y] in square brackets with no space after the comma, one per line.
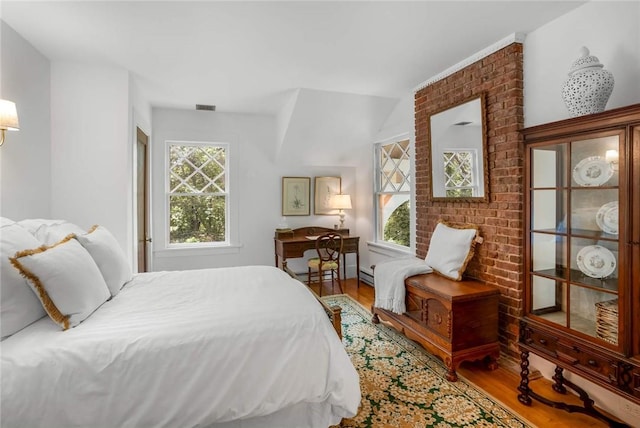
[314,262]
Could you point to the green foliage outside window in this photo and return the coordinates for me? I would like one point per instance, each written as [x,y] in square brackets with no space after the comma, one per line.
[460,193]
[397,228]
[197,219]
[197,198]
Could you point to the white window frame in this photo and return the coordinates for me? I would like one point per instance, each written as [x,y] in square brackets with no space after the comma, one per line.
[167,212]
[379,244]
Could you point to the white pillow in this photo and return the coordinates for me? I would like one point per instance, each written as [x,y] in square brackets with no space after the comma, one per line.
[66,280]
[19,307]
[450,249]
[6,222]
[48,231]
[109,257]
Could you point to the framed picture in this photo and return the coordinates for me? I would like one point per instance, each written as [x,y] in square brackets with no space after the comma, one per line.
[296,199]
[325,188]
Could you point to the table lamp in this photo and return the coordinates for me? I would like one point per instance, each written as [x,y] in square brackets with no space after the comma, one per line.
[341,202]
[8,118]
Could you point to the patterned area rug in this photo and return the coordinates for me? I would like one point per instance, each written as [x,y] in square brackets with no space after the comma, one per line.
[404,386]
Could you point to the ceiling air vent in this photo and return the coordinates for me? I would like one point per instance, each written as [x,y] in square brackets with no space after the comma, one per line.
[205,107]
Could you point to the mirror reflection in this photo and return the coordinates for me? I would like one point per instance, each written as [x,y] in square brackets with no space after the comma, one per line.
[458,152]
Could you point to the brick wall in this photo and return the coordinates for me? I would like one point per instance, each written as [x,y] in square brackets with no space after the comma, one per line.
[498,260]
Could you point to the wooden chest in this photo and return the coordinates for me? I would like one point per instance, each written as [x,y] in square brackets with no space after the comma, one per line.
[454,320]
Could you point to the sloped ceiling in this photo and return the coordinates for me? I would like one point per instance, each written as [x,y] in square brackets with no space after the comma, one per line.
[323,126]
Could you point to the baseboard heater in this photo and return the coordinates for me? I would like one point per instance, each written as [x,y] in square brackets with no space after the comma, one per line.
[366,277]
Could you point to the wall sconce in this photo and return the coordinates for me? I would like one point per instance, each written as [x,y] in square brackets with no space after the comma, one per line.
[341,202]
[613,157]
[8,118]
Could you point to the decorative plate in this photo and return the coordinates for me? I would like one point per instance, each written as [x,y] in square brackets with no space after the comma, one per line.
[607,218]
[592,171]
[596,261]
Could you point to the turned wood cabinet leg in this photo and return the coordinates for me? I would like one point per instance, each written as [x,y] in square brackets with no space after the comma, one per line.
[558,378]
[524,397]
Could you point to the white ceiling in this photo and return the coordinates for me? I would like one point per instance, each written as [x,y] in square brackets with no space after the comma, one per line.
[251,56]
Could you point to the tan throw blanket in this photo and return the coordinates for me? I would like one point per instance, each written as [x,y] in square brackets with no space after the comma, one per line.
[388,280]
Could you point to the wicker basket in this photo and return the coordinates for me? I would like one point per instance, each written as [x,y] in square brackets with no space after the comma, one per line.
[607,321]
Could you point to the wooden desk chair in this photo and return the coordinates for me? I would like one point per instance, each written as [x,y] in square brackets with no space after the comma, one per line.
[329,248]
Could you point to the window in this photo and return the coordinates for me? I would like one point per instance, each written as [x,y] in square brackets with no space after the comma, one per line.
[197,195]
[393,193]
[459,176]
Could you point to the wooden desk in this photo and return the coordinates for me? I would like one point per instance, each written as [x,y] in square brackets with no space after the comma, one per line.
[290,245]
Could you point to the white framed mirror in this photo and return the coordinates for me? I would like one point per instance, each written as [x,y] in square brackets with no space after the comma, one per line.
[458,152]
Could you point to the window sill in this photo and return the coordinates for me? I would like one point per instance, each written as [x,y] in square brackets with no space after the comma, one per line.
[202,251]
[388,250]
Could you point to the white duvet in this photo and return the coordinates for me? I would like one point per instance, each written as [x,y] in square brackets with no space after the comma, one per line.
[184,349]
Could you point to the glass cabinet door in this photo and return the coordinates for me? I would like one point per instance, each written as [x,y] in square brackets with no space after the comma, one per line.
[573,215]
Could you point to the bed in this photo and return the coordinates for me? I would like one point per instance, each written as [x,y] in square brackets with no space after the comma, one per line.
[230,347]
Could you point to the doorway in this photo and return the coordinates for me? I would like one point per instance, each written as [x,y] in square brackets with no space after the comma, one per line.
[142,199]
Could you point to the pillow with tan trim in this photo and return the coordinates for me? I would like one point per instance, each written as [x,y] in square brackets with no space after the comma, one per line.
[109,257]
[451,248]
[19,307]
[66,280]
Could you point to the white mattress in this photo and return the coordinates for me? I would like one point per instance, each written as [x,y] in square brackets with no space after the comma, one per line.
[181,349]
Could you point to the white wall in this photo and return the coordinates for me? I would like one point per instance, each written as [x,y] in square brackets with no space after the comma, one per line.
[399,125]
[91,165]
[25,171]
[255,186]
[72,157]
[609,29]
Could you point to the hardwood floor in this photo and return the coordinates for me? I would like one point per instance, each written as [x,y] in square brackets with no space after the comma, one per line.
[501,384]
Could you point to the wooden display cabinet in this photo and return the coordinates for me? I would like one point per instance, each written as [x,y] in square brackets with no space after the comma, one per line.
[582,254]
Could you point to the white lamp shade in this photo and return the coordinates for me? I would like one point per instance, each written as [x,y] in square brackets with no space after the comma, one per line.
[341,202]
[8,116]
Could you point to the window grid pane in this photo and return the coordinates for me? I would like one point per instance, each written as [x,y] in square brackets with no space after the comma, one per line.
[393,189]
[197,218]
[459,177]
[197,194]
[193,169]
[394,166]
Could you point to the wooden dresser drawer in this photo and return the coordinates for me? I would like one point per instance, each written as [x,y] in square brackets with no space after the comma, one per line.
[295,250]
[542,341]
[586,360]
[438,317]
[350,246]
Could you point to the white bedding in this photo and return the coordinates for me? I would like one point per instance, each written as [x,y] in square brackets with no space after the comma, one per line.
[182,349]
